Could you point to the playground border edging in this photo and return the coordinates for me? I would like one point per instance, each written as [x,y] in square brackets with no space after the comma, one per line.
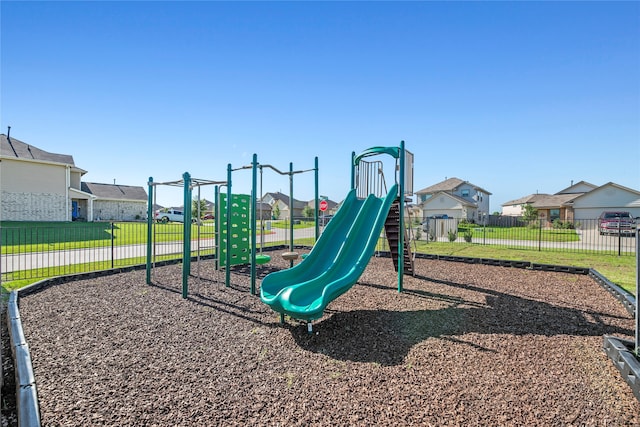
[620,353]
[27,405]
[626,298]
[26,390]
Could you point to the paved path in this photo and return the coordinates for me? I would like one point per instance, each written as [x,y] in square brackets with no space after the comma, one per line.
[589,240]
[34,260]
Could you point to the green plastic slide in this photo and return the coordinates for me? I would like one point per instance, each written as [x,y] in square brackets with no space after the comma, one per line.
[334,264]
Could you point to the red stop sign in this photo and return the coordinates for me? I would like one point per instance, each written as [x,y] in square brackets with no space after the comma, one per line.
[324,205]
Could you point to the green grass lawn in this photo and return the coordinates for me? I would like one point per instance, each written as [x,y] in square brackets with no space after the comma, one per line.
[47,236]
[17,237]
[522,233]
[619,269]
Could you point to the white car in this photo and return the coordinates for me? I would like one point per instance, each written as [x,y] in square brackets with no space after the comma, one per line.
[166,215]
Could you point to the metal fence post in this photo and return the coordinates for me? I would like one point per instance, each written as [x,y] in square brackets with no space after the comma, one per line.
[637,291]
[112,244]
[540,235]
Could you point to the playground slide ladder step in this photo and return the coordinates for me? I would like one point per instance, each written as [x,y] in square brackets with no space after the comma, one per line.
[392,231]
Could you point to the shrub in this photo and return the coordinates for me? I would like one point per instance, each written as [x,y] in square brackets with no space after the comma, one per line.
[467,236]
[452,235]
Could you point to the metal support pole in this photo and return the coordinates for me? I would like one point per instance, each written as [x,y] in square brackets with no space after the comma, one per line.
[254,222]
[401,240]
[317,201]
[149,229]
[186,253]
[291,210]
[227,281]
[353,170]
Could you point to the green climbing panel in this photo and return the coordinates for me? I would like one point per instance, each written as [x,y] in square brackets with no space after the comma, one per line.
[240,248]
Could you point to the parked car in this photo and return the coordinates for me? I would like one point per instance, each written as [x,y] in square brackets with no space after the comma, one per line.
[166,215]
[612,222]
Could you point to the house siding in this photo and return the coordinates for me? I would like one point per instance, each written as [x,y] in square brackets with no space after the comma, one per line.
[33,191]
[112,210]
[33,206]
[19,176]
[606,198]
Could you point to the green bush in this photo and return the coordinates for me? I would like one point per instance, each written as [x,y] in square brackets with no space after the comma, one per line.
[468,235]
[563,225]
[452,235]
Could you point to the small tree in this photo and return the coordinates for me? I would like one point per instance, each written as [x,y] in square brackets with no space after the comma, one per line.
[276,211]
[308,212]
[194,208]
[529,213]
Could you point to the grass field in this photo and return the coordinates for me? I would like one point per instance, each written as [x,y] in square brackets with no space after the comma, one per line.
[21,237]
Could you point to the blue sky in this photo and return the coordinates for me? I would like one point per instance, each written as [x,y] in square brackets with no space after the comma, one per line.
[515,97]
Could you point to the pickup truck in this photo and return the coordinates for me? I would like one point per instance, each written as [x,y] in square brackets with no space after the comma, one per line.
[616,223]
[166,215]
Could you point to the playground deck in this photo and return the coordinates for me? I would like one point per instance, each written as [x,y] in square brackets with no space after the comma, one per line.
[463,345]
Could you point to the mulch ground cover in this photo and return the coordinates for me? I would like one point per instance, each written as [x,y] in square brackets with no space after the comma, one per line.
[462,345]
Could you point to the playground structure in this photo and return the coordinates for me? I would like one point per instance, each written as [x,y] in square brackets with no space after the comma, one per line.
[188,184]
[231,237]
[342,252]
[235,223]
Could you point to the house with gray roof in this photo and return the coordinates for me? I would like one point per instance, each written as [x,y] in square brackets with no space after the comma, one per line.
[578,202]
[117,202]
[454,198]
[38,185]
[280,204]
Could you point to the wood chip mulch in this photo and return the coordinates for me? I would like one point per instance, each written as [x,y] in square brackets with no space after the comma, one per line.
[464,344]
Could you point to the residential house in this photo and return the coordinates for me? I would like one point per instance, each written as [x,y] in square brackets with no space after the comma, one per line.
[115,202]
[549,206]
[607,197]
[279,204]
[579,202]
[454,198]
[332,207]
[36,185]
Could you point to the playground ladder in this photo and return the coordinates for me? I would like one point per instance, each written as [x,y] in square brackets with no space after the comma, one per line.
[392,230]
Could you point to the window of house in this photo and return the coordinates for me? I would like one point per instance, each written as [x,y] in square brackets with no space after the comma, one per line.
[465,193]
[554,214]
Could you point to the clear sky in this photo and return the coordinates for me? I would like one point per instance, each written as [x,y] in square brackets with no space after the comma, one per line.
[515,97]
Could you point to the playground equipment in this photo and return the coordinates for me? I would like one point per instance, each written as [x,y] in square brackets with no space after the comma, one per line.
[188,184]
[342,252]
[254,258]
[235,230]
